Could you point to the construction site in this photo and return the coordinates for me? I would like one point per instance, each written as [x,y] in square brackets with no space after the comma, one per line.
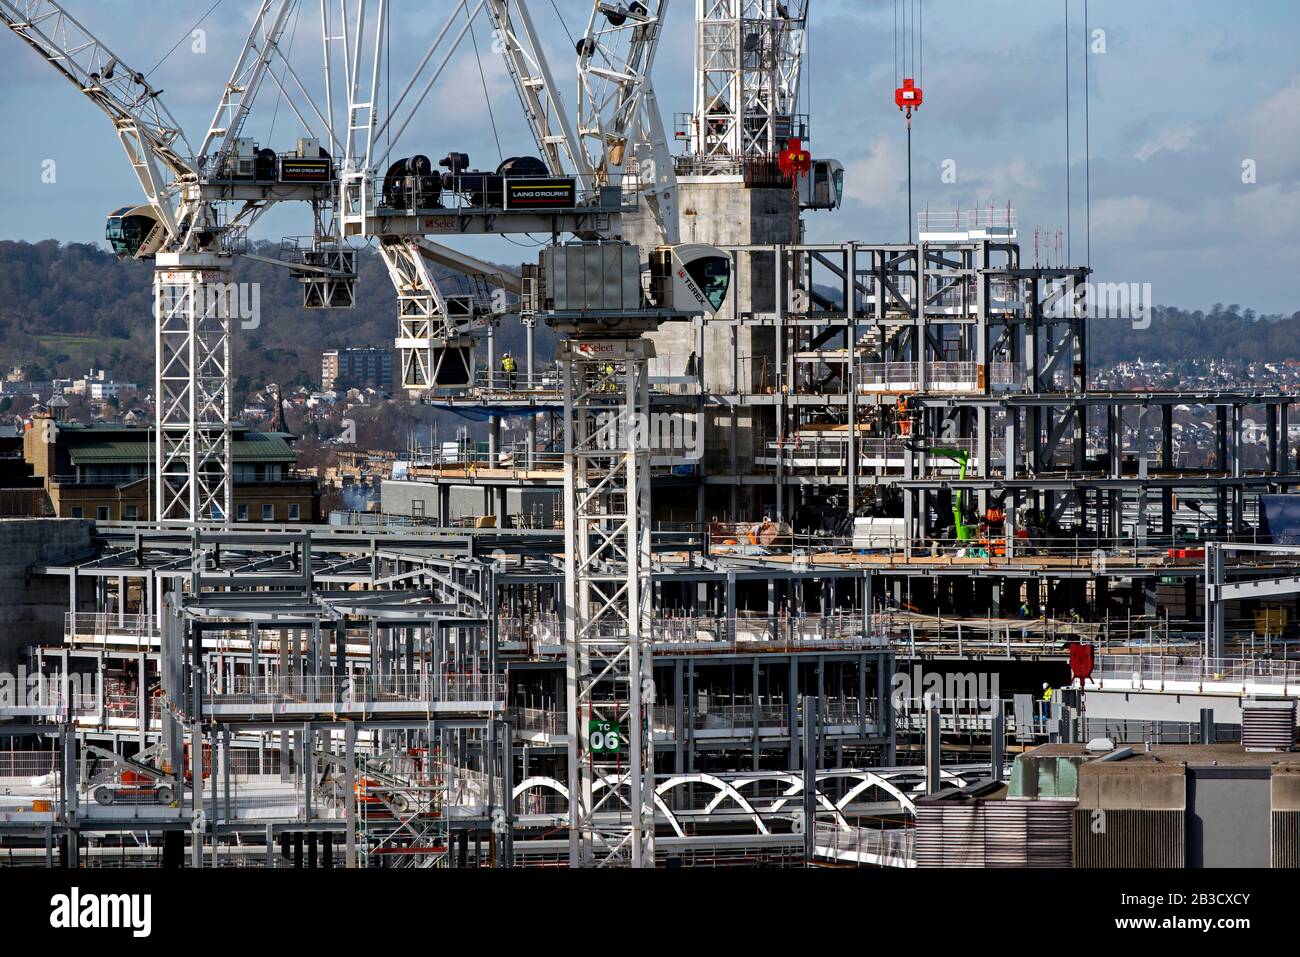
[794,554]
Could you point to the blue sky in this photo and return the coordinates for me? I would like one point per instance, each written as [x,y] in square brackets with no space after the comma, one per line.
[1185,92]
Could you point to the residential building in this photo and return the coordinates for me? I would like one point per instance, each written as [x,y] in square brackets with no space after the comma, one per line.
[357,368]
[104,472]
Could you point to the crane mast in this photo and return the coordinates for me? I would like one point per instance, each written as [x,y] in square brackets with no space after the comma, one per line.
[748,65]
[603,360]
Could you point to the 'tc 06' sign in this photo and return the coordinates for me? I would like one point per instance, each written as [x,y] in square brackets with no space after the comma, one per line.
[604,737]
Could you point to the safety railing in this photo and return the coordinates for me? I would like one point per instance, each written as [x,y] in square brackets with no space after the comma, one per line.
[110,628]
[549,721]
[469,788]
[918,635]
[711,715]
[545,380]
[1157,668]
[973,218]
[910,633]
[1096,551]
[759,629]
[970,713]
[29,764]
[881,847]
[357,689]
[48,695]
[537,801]
[828,453]
[113,478]
[471,461]
[844,630]
[939,376]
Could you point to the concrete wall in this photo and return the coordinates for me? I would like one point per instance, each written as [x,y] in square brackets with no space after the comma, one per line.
[1228,821]
[32,606]
[736,359]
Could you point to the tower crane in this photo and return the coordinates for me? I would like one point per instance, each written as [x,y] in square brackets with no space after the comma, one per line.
[614,148]
[574,189]
[592,165]
[199,206]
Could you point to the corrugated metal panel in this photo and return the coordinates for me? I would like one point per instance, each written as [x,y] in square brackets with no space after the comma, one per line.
[949,835]
[1285,839]
[994,834]
[1006,830]
[1050,838]
[1268,725]
[1129,838]
[927,839]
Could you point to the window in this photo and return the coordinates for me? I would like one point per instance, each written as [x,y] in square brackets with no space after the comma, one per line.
[241,513]
[130,513]
[268,513]
[713,275]
[101,513]
[75,511]
[294,512]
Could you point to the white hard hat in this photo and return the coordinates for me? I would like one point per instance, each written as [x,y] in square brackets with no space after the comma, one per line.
[1044,684]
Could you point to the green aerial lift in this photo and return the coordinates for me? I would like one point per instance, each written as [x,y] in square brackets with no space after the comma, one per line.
[965,533]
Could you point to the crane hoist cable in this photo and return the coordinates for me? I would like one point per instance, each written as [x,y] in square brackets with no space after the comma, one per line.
[559,16]
[1087,141]
[284,74]
[483,82]
[908,95]
[186,36]
[1068,203]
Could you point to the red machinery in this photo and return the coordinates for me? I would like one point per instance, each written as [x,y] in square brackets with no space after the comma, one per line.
[908,97]
[794,161]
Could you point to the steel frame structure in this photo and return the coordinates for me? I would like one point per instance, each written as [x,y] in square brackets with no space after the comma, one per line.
[193,467]
[748,66]
[609,667]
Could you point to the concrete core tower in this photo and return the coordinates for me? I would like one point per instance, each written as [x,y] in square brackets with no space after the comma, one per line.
[731,193]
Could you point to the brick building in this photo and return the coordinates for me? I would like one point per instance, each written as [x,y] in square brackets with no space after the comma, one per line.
[104,472]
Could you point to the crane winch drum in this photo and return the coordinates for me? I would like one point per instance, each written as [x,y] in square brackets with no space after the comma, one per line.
[411,183]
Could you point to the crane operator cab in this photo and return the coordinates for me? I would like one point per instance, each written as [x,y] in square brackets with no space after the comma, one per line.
[822,187]
[134,232]
[690,278]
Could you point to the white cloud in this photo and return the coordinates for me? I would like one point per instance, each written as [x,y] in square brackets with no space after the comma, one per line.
[1172,140]
[875,179]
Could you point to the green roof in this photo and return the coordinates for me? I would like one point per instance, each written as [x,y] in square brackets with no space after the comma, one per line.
[254,447]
